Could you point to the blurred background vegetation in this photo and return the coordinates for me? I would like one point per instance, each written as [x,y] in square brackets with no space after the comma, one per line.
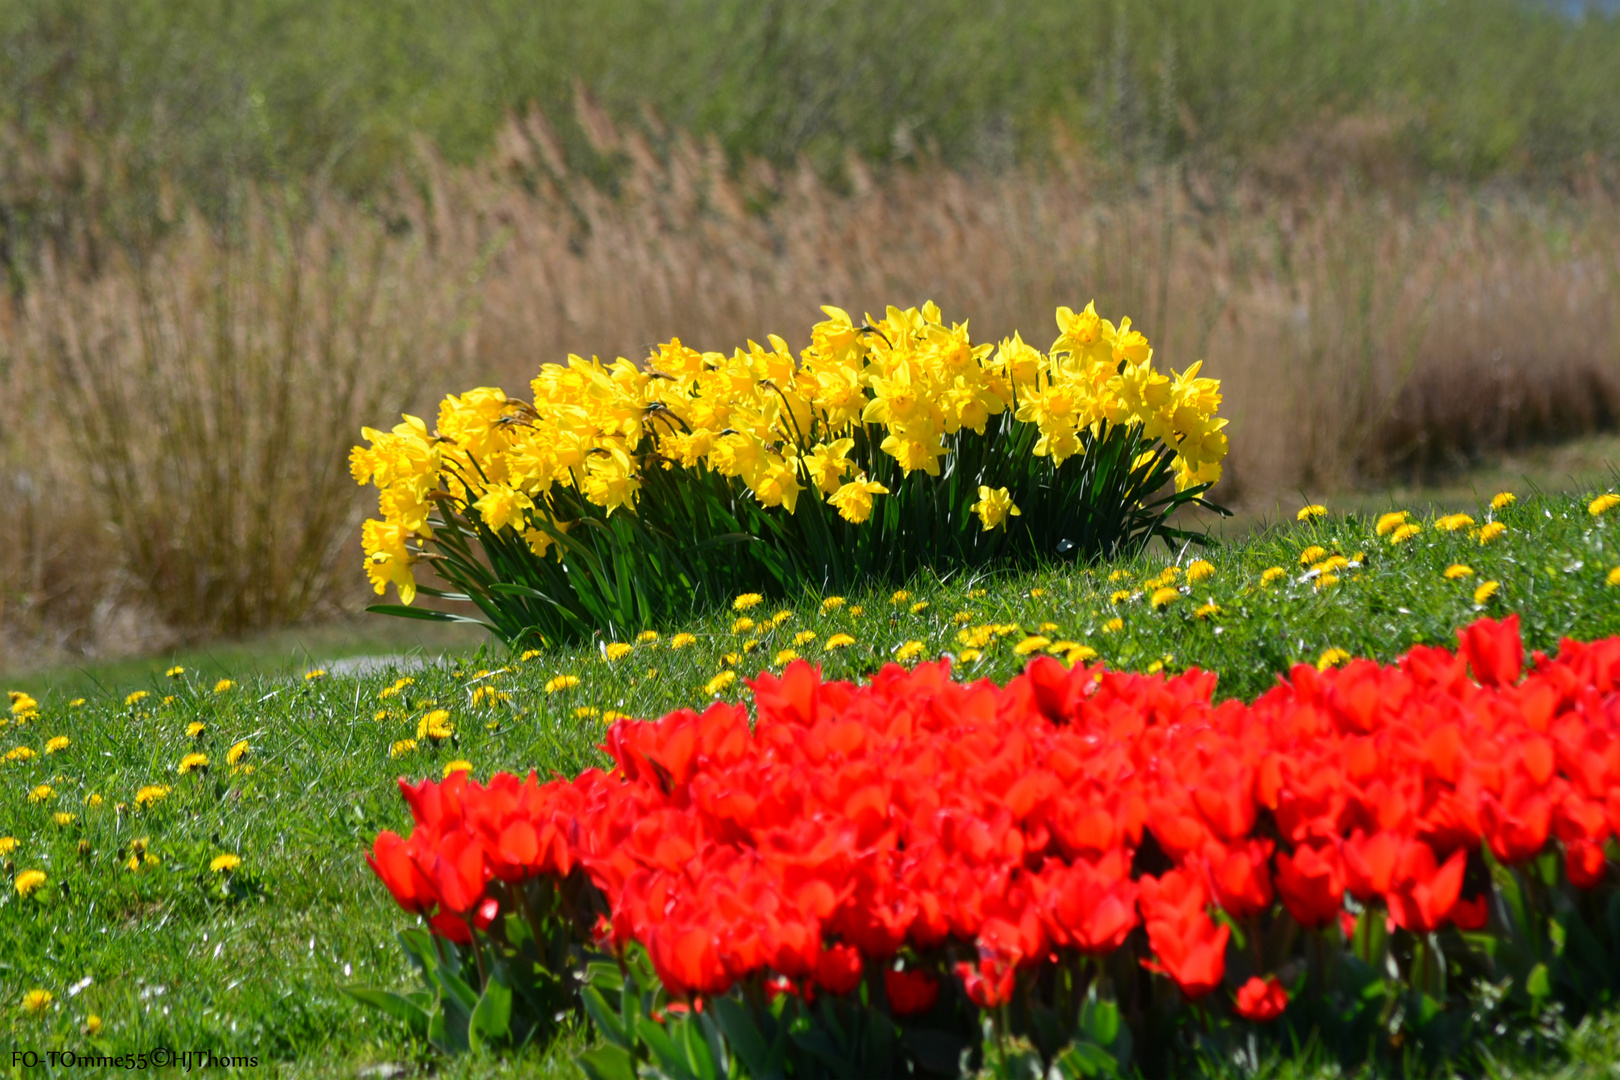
[232,231]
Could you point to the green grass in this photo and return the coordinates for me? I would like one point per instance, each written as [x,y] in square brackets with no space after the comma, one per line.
[255,962]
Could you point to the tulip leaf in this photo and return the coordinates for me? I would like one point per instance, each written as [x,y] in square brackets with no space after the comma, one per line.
[1538,984]
[1082,1059]
[606,1020]
[396,1005]
[491,1020]
[763,1061]
[607,1063]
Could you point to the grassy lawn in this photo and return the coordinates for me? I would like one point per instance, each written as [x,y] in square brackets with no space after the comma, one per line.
[134,927]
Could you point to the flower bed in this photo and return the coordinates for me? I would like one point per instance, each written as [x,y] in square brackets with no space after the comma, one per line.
[1089,861]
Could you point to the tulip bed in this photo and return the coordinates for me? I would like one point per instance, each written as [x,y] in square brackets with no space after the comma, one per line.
[1083,870]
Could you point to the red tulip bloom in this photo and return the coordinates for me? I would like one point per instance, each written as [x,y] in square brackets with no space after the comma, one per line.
[910,992]
[838,969]
[1311,883]
[391,861]
[1261,999]
[989,984]
[1493,650]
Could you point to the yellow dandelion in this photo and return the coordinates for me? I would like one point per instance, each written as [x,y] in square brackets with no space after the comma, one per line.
[315,674]
[1331,658]
[1271,574]
[1036,594]
[28,881]
[456,766]
[1079,655]
[839,641]
[1326,581]
[856,611]
[786,656]
[92,800]
[1200,569]
[1311,554]
[1503,499]
[223,685]
[168,699]
[969,655]
[562,682]
[742,625]
[681,641]
[1453,522]
[909,651]
[832,603]
[8,844]
[750,645]
[528,654]
[746,601]
[1458,570]
[613,716]
[43,793]
[922,605]
[224,864]
[92,1025]
[804,637]
[63,819]
[435,725]
[1163,596]
[21,753]
[1603,504]
[730,659]
[1404,533]
[617,651]
[195,728]
[1490,531]
[402,747]
[1614,576]
[1388,523]
[585,712]
[151,793]
[37,1001]
[1315,510]
[135,697]
[76,703]
[1486,590]
[1330,564]
[900,597]
[1204,611]
[175,672]
[192,762]
[1033,643]
[1114,625]
[647,637]
[1120,596]
[53,745]
[717,685]
[236,752]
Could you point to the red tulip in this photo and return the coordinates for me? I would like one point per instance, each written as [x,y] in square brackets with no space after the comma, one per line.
[1261,999]
[910,992]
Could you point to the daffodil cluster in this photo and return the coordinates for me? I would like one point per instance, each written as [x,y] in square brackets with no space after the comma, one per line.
[903,390]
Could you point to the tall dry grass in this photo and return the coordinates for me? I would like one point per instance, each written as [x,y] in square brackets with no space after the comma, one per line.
[180,419]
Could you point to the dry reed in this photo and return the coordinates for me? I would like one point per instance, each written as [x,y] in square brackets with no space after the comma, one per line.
[209,391]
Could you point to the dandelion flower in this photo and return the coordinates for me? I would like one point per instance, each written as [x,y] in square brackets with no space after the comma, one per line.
[8,844]
[1404,533]
[192,762]
[1388,523]
[150,794]
[969,655]
[1614,576]
[28,881]
[92,800]
[899,598]
[76,703]
[617,651]
[1204,611]
[646,637]
[563,682]
[60,742]
[1119,596]
[315,675]
[1486,590]
[528,654]
[224,864]
[63,819]
[1271,574]
[613,717]
[168,699]
[1315,510]
[1036,594]
[1453,522]
[1200,569]
[1079,654]
[1458,570]
[92,1025]
[134,697]
[1490,531]
[223,685]
[909,651]
[1331,658]
[1330,564]
[37,1001]
[804,637]
[435,725]
[1326,581]
[586,712]
[1163,596]
[1311,554]
[786,656]
[20,753]
[1503,499]
[922,605]
[236,752]
[746,601]
[856,611]
[962,618]
[195,728]
[43,793]
[717,685]
[457,766]
[832,603]
[839,641]
[1034,643]
[1603,503]
[679,641]
[742,625]
[1114,625]
[402,747]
